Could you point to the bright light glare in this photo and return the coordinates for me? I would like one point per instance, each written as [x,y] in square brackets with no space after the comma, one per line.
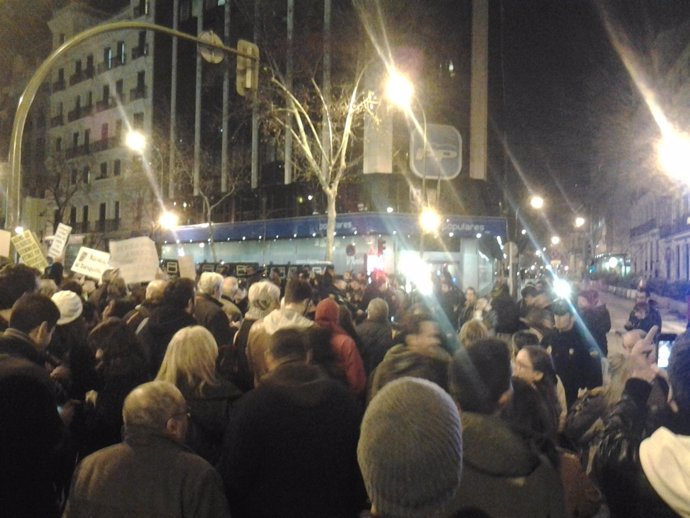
[613,262]
[136,141]
[429,220]
[537,202]
[417,271]
[555,240]
[562,288]
[19,230]
[389,210]
[674,155]
[168,220]
[399,90]
[523,232]
[579,221]
[538,253]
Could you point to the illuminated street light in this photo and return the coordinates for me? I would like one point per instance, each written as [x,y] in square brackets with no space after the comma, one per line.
[674,155]
[537,202]
[579,221]
[555,240]
[399,90]
[168,220]
[429,220]
[19,230]
[523,231]
[136,141]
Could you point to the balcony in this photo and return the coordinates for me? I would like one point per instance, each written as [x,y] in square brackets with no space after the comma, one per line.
[137,93]
[82,75]
[104,144]
[78,151]
[644,228]
[78,112]
[107,225]
[56,121]
[105,104]
[138,52]
[59,85]
[678,226]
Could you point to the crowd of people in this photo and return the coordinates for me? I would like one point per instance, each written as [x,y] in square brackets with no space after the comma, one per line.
[332,396]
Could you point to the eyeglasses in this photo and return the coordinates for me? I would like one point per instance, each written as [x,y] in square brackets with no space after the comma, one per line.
[185,412]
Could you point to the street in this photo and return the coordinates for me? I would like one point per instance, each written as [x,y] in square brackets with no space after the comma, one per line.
[620,308]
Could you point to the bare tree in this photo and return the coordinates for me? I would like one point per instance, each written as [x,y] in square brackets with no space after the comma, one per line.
[63,181]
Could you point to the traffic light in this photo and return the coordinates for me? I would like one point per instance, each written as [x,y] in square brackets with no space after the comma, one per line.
[381,246]
[247,68]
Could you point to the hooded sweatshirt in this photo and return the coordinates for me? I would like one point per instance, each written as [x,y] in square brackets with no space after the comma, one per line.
[665,460]
[261,332]
[343,346]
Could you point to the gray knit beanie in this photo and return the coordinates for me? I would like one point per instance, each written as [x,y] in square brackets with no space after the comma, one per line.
[410,449]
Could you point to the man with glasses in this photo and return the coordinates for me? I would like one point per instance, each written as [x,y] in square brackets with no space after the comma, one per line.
[151,473]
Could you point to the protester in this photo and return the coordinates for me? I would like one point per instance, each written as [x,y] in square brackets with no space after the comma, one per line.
[376,334]
[290,448]
[30,425]
[410,450]
[208,309]
[596,317]
[152,299]
[15,281]
[151,473]
[190,364]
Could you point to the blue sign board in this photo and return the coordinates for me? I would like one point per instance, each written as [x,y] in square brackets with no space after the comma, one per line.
[360,223]
[441,157]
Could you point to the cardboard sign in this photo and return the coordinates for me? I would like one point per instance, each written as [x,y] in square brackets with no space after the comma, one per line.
[91,263]
[29,250]
[5,242]
[187,269]
[136,258]
[59,240]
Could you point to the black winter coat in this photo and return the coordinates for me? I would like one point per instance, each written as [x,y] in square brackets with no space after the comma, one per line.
[376,339]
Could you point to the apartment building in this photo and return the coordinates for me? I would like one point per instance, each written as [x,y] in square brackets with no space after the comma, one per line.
[101,91]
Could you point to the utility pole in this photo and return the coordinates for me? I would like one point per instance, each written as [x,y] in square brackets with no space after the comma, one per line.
[224,169]
[172,143]
[197,102]
[288,84]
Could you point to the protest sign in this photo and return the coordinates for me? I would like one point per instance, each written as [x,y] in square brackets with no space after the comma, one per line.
[59,240]
[136,258]
[5,243]
[29,250]
[91,263]
[187,269]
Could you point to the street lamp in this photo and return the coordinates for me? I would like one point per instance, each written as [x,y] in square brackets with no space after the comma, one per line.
[429,220]
[674,155]
[399,90]
[168,220]
[555,240]
[537,202]
[579,222]
[136,141]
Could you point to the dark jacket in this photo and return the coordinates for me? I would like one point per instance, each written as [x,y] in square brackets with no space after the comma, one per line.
[617,463]
[377,339]
[502,476]
[576,364]
[156,333]
[290,448]
[209,416]
[507,313]
[30,431]
[147,475]
[598,321]
[210,314]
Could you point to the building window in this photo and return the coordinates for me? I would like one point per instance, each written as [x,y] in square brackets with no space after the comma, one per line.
[121,56]
[85,214]
[117,164]
[77,67]
[108,58]
[104,131]
[85,174]
[73,217]
[138,122]
[75,177]
[119,89]
[118,128]
[104,170]
[185,10]
[75,140]
[89,65]
[58,144]
[102,212]
[87,140]
[116,216]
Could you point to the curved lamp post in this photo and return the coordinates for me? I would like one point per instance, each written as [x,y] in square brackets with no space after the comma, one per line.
[14,202]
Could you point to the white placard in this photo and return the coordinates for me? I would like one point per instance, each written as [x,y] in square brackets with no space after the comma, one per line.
[187,269]
[136,258]
[29,250]
[91,263]
[59,240]
[5,243]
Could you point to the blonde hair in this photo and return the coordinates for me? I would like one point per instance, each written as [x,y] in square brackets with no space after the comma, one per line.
[471,331]
[190,360]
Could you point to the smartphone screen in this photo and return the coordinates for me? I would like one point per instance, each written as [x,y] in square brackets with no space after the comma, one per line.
[664,347]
